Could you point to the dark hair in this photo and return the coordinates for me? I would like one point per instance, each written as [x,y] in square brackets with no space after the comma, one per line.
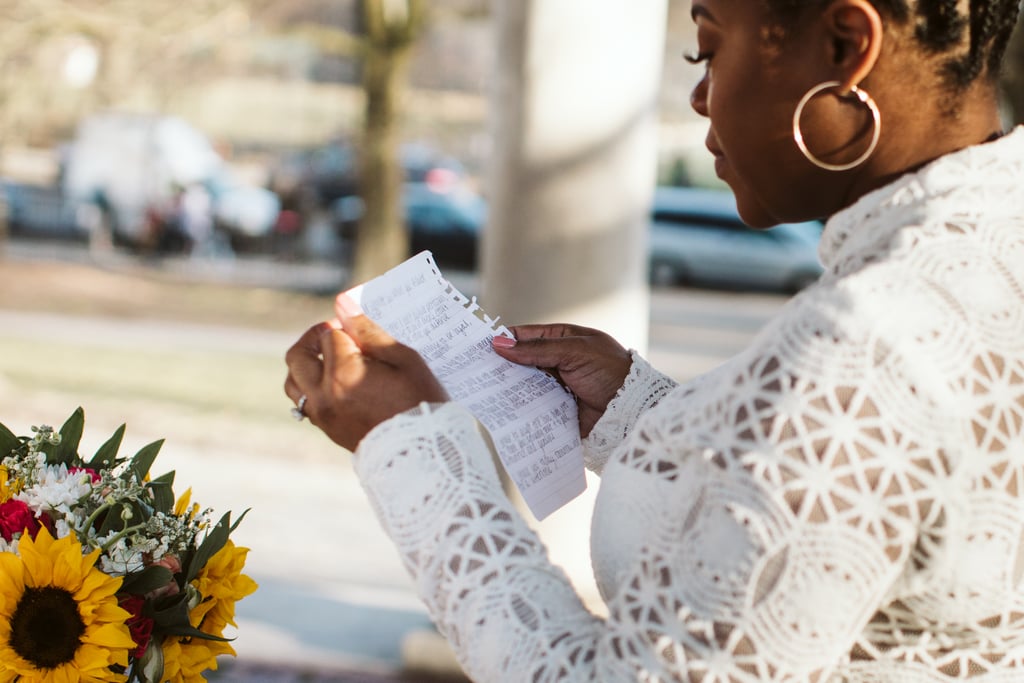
[940,28]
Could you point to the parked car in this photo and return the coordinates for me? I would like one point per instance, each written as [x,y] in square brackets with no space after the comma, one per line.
[696,237]
[246,211]
[39,211]
[131,169]
[449,224]
[325,174]
[316,176]
[448,221]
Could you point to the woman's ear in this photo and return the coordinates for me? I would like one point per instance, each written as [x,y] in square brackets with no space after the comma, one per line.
[855,32]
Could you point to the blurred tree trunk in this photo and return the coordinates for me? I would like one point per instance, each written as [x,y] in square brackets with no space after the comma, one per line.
[1013,75]
[570,179]
[392,27]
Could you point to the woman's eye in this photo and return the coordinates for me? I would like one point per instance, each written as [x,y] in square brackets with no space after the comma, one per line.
[697,58]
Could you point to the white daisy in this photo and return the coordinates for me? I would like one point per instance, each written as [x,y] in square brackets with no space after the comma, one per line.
[54,490]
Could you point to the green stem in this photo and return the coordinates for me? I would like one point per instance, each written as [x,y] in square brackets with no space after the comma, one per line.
[95,515]
[121,534]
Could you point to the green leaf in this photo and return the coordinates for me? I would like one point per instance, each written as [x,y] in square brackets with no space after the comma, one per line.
[163,492]
[172,611]
[106,456]
[70,436]
[8,441]
[193,632]
[213,542]
[112,520]
[240,518]
[171,618]
[149,579]
[164,609]
[143,460]
[142,511]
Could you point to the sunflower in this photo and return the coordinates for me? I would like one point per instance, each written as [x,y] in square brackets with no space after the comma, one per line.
[222,584]
[59,618]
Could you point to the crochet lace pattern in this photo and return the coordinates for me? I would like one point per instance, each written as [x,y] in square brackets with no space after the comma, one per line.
[840,502]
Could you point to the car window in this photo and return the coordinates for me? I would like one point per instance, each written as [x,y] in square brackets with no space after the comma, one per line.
[717,223]
[430,218]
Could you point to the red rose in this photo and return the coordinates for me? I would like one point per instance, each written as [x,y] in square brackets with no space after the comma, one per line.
[140,627]
[15,517]
[93,474]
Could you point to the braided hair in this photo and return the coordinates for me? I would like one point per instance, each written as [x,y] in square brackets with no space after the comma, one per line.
[940,28]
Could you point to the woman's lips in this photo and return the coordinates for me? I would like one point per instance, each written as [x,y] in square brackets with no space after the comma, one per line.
[720,165]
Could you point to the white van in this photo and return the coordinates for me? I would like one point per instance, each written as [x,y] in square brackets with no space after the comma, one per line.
[125,166]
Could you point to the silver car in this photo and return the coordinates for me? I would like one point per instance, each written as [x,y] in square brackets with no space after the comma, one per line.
[696,238]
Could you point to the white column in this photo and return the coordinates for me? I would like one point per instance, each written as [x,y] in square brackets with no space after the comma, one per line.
[573,116]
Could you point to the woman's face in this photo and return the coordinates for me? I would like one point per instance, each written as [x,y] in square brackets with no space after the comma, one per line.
[749,92]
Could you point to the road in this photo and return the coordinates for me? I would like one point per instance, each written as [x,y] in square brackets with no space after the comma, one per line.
[333,597]
[692,331]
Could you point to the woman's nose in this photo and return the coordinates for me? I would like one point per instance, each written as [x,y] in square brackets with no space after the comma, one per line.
[699,97]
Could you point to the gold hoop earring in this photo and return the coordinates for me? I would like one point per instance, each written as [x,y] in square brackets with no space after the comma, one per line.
[863,97]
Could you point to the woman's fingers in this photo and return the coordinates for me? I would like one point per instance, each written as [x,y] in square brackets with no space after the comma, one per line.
[545,346]
[306,345]
[591,364]
[373,341]
[371,338]
[355,375]
[551,331]
[304,360]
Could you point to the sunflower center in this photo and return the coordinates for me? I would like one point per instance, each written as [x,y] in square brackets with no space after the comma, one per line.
[46,627]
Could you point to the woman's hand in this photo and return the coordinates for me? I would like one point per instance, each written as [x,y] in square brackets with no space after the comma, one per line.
[354,375]
[589,363]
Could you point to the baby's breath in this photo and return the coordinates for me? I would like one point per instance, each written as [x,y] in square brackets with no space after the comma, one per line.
[44,436]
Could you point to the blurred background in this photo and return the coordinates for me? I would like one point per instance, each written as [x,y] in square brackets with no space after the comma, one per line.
[185,184]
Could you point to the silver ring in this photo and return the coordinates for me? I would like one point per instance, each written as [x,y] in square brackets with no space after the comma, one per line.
[298,412]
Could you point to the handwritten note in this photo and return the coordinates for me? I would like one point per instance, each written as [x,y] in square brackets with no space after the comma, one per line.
[531,418]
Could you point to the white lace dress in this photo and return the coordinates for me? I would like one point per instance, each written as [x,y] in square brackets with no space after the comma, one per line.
[844,501]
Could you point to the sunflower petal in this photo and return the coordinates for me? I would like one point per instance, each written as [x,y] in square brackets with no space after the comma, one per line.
[182,503]
[12,584]
[109,636]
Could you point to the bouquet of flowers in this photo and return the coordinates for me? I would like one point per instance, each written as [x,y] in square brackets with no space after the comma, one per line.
[104,575]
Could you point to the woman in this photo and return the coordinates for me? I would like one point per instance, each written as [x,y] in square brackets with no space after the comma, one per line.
[844,501]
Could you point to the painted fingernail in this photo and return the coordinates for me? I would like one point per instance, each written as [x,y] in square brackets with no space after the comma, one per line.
[347,306]
[503,342]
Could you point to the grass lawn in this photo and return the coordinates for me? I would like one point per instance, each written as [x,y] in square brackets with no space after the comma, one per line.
[215,397]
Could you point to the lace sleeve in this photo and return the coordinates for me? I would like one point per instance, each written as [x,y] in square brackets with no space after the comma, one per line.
[481,571]
[643,388]
[721,574]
